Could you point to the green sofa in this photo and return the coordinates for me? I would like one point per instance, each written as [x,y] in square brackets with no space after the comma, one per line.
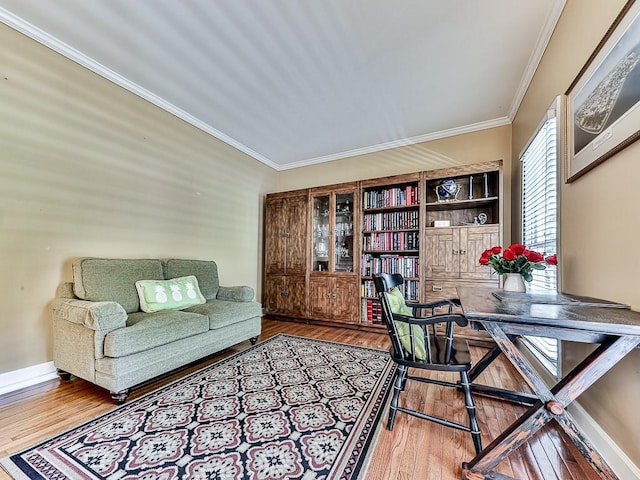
[101,335]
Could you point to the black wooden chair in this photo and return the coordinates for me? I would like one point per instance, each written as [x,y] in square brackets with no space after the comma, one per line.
[416,343]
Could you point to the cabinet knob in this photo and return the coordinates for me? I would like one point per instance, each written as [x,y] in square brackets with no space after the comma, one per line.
[456,252]
[463,252]
[436,288]
[328,295]
[333,296]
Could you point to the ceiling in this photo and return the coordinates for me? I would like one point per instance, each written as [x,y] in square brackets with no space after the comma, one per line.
[299,82]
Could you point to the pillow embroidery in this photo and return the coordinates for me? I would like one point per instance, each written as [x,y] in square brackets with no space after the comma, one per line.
[173,294]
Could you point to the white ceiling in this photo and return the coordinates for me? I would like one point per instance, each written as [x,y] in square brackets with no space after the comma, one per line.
[298,82]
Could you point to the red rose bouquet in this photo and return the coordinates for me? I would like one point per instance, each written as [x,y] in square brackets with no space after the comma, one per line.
[516,259]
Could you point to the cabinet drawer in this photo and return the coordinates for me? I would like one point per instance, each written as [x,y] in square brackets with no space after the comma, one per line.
[437,290]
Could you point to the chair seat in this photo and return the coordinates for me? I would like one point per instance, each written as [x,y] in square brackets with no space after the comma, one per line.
[460,358]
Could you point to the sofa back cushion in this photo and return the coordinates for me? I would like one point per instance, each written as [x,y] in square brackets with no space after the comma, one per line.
[106,279]
[205,271]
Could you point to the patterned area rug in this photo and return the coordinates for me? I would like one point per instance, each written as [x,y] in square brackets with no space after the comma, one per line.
[287,408]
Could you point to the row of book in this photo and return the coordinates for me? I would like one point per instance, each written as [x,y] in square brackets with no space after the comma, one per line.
[390,241]
[371,309]
[406,266]
[391,220]
[391,197]
[371,312]
[411,289]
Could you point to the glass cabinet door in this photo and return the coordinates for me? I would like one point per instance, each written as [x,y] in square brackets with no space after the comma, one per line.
[320,233]
[343,233]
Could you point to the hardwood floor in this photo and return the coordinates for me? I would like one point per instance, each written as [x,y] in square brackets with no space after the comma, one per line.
[415,449]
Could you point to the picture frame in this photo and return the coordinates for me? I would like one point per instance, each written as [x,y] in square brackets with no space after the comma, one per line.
[602,108]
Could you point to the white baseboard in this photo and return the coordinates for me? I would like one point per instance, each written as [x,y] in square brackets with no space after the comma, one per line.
[612,454]
[26,377]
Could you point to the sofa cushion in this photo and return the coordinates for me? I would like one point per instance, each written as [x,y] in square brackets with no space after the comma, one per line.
[102,279]
[148,330]
[205,271]
[174,294]
[222,312]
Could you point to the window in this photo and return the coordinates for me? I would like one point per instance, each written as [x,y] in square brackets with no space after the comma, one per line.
[540,219]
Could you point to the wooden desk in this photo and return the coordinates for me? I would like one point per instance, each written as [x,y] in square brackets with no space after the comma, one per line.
[616,330]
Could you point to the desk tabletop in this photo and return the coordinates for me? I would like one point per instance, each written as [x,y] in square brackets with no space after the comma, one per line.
[480,304]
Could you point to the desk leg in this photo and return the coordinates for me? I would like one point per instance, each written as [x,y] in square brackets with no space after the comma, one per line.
[482,364]
[494,392]
[551,404]
[593,367]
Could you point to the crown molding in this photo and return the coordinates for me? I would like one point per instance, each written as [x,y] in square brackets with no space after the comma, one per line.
[475,127]
[71,53]
[541,45]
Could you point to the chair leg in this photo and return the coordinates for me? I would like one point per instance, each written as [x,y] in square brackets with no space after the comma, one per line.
[398,386]
[405,372]
[471,410]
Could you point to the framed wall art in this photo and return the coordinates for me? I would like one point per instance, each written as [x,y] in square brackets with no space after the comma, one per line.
[603,102]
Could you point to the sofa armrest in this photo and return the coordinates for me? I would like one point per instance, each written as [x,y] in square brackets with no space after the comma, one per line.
[240,293]
[99,316]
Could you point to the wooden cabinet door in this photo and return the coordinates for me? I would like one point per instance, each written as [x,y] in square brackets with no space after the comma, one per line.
[295,212]
[442,253]
[273,294]
[334,298]
[320,297]
[295,296]
[286,235]
[274,234]
[285,295]
[474,241]
[345,299]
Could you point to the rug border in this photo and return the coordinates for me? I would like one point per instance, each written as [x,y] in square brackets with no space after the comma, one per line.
[15,472]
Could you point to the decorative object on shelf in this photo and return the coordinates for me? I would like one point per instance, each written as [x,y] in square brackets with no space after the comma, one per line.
[470,187]
[345,208]
[480,219]
[486,185]
[513,282]
[516,259]
[447,190]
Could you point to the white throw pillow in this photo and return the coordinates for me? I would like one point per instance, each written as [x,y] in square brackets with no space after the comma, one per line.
[173,294]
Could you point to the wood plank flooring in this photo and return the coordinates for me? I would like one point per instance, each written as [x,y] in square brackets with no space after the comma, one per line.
[415,449]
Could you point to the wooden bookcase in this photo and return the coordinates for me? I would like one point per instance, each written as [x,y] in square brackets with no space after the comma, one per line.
[285,254]
[322,245]
[475,223]
[390,240]
[333,276]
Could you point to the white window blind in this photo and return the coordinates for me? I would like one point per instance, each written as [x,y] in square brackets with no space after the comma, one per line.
[540,220]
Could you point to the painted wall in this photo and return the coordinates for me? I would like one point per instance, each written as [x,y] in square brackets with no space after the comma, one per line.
[482,146]
[600,224]
[89,169]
